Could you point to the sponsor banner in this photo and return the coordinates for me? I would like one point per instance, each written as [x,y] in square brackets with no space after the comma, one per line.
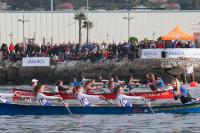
[156,95]
[21,93]
[171,53]
[36,61]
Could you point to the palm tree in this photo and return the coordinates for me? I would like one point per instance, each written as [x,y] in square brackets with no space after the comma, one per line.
[80,17]
[87,25]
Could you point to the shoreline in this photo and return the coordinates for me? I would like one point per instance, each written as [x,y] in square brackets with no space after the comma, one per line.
[15,74]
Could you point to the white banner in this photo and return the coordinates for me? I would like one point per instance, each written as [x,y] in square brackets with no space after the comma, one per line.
[36,61]
[171,53]
[189,69]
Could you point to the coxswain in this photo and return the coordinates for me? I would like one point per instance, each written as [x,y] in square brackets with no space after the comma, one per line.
[42,98]
[124,100]
[60,87]
[3,97]
[181,93]
[84,98]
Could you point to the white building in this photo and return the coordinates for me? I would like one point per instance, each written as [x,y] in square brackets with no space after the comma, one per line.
[108,25]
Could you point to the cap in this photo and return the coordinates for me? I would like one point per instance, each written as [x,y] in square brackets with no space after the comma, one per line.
[34,80]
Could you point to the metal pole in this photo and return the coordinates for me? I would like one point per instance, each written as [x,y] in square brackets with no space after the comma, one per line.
[128,27]
[23,29]
[23,21]
[128,21]
[87,20]
[52,5]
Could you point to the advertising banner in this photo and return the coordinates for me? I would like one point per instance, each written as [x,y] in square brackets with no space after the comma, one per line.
[171,53]
[35,61]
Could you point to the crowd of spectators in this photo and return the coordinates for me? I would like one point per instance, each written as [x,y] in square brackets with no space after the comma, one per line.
[87,52]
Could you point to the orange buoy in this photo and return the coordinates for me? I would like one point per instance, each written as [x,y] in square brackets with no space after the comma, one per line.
[194,84]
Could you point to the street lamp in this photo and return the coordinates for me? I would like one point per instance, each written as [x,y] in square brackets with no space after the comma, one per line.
[51,5]
[87,19]
[23,21]
[128,18]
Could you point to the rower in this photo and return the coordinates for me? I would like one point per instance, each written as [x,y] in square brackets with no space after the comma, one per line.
[124,100]
[3,98]
[42,98]
[152,81]
[34,82]
[111,85]
[180,92]
[131,83]
[159,82]
[88,87]
[117,81]
[84,98]
[61,88]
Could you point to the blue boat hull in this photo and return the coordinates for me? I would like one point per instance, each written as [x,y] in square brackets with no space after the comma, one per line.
[16,109]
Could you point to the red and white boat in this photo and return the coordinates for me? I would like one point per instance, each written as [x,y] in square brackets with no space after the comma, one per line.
[165,94]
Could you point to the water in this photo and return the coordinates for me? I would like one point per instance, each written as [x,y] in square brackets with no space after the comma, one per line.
[142,123]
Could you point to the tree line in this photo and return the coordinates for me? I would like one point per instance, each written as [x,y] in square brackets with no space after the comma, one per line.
[96,4]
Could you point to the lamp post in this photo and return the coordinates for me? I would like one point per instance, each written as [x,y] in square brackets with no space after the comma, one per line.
[128,19]
[11,37]
[87,19]
[52,5]
[23,21]
[153,34]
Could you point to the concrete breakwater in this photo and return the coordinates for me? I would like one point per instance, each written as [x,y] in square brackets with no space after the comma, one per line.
[15,73]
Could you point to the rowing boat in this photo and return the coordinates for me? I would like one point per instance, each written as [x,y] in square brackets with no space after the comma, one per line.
[18,109]
[166,94]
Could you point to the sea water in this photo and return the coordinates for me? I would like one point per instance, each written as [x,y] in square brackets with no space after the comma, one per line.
[136,123]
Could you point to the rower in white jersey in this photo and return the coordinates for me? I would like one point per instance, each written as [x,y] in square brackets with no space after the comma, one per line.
[124,100]
[3,97]
[34,82]
[84,98]
[42,98]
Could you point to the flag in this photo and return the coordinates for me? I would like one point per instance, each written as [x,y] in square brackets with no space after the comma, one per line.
[189,69]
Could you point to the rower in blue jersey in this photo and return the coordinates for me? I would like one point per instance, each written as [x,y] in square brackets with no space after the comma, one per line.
[180,92]
[159,82]
[124,100]
[41,98]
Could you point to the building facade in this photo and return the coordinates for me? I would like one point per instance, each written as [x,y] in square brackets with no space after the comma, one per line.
[108,25]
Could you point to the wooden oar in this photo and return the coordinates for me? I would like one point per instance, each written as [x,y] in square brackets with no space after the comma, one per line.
[149,107]
[67,107]
[108,101]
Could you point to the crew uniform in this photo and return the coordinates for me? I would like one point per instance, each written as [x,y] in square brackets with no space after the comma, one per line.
[124,100]
[42,99]
[160,84]
[184,97]
[84,99]
[3,97]
[60,88]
